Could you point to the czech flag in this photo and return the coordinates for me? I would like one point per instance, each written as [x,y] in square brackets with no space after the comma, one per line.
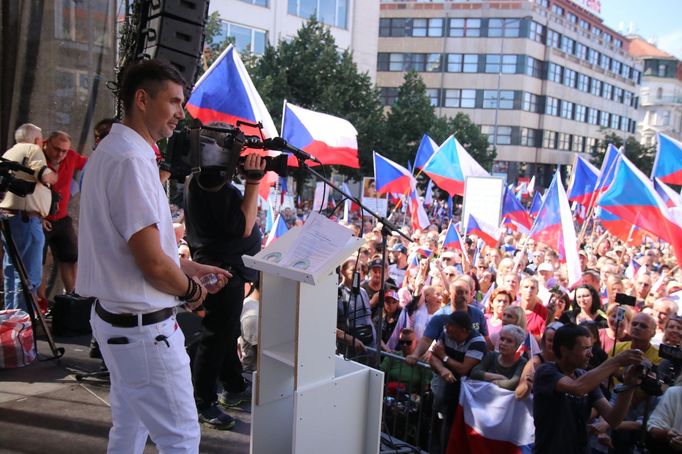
[535,204]
[668,163]
[330,139]
[554,227]
[490,420]
[584,181]
[452,239]
[670,197]
[419,217]
[632,197]
[487,233]
[514,211]
[427,147]
[608,169]
[392,177]
[279,229]
[226,93]
[620,228]
[450,165]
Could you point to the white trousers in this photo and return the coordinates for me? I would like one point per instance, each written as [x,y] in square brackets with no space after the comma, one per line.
[151,387]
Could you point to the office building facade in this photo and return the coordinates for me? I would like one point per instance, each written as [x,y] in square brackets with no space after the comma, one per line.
[543,78]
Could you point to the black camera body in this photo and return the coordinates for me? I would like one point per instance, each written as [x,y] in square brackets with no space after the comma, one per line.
[9,182]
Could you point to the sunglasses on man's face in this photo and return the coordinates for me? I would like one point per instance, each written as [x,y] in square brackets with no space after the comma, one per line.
[402,343]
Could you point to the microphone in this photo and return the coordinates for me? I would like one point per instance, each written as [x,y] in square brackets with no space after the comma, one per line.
[279,144]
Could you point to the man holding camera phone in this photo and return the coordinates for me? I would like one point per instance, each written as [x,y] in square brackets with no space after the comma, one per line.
[130,264]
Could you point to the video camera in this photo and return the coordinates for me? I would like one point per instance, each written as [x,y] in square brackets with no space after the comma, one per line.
[199,148]
[9,182]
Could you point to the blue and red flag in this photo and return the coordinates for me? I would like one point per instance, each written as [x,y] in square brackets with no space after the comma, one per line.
[523,348]
[330,139]
[670,197]
[620,228]
[427,147]
[452,238]
[450,165]
[668,162]
[584,181]
[278,229]
[489,234]
[633,198]
[535,204]
[391,177]
[514,211]
[226,93]
[554,227]
[608,170]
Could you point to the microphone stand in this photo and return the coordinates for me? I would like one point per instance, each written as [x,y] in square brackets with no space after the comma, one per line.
[387,228]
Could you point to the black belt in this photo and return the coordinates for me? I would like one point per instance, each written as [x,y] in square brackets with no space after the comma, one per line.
[132,320]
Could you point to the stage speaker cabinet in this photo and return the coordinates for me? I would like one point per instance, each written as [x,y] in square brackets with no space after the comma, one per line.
[174,31]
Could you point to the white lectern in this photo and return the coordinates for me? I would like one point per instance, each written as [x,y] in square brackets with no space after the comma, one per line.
[306,398]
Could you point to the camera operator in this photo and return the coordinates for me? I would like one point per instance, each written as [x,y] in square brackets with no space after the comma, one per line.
[665,422]
[564,394]
[26,223]
[668,370]
[221,227]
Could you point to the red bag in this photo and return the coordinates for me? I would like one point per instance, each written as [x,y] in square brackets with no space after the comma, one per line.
[16,339]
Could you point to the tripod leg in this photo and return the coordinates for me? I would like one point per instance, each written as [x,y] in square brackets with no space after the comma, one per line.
[33,309]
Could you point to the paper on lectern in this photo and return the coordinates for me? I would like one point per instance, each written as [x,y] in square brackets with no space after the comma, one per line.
[319,239]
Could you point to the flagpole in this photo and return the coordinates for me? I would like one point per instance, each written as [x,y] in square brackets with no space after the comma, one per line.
[620,259]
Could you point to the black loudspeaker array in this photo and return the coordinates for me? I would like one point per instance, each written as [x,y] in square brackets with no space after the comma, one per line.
[174,30]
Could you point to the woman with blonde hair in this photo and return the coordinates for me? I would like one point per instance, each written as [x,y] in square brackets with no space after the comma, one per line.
[608,336]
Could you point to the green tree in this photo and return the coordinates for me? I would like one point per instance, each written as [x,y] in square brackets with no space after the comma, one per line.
[468,134]
[642,156]
[411,115]
[311,72]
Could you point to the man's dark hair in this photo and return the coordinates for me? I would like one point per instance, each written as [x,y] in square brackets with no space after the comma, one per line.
[566,337]
[148,75]
[461,319]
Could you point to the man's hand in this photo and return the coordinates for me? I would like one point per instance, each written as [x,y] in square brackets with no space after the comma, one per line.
[254,168]
[411,360]
[190,306]
[196,270]
[448,376]
[47,225]
[629,358]
[632,375]
[49,178]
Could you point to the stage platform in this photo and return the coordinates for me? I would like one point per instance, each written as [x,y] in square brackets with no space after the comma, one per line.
[44,409]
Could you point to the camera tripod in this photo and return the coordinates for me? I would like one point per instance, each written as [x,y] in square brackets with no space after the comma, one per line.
[33,308]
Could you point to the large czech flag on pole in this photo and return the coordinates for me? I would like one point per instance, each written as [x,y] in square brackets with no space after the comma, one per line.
[427,147]
[489,234]
[330,139]
[391,177]
[226,93]
[633,198]
[670,197]
[554,227]
[620,228]
[668,163]
[450,165]
[452,238]
[583,183]
[514,211]
[490,420]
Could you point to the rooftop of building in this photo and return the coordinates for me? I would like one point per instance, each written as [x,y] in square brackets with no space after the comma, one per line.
[641,48]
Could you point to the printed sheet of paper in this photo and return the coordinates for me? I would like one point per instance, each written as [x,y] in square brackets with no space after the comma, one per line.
[320,238]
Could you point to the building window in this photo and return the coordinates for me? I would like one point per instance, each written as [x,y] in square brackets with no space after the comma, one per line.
[504,134]
[508,28]
[570,77]
[392,27]
[607,38]
[583,83]
[564,140]
[627,98]
[605,62]
[572,18]
[635,77]
[529,137]
[245,39]
[470,64]
[426,27]
[417,62]
[257,2]
[549,140]
[584,24]
[552,106]
[534,67]
[625,71]
[596,31]
[604,119]
[531,102]
[592,56]
[595,87]
[581,51]
[618,94]
[607,91]
[578,144]
[553,38]
[618,43]
[567,45]
[615,66]
[330,12]
[543,3]
[452,98]
[659,93]
[397,62]
[580,113]
[615,121]
[558,10]
[490,99]
[554,72]
[464,27]
[500,63]
[567,110]
[388,95]
[536,32]
[624,123]
[434,96]
[592,116]
[455,63]
[468,99]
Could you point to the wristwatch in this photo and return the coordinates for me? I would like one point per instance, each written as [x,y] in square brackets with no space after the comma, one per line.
[445,359]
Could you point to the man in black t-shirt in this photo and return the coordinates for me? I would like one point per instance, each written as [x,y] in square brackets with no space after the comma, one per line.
[221,227]
[564,394]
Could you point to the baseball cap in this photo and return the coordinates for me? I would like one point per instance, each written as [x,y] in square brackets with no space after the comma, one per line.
[399,247]
[376,263]
[392,294]
[544,266]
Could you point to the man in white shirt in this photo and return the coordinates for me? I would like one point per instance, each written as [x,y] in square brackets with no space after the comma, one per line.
[130,263]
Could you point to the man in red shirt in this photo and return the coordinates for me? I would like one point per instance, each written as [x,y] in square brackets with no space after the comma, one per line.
[59,232]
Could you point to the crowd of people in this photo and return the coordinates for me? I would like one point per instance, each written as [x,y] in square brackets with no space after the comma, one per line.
[588,354]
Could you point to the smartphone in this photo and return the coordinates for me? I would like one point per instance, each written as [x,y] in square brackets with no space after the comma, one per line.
[622,298]
[620,314]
